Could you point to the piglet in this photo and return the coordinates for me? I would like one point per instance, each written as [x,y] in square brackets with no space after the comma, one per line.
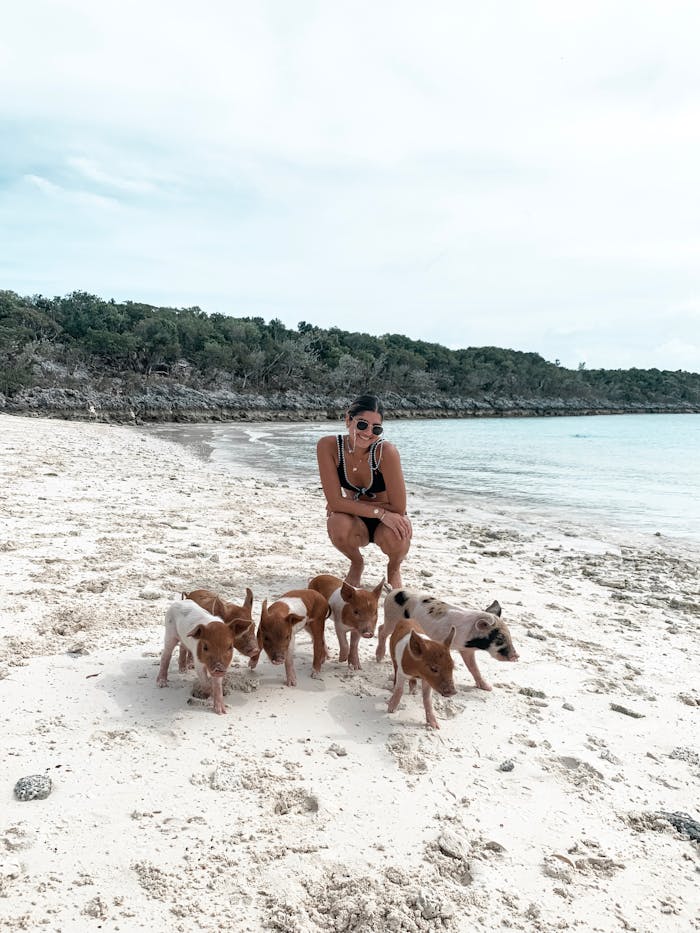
[279,624]
[353,610]
[239,618]
[417,657]
[476,629]
[208,638]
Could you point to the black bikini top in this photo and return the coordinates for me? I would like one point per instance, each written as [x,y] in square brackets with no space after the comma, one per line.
[377,484]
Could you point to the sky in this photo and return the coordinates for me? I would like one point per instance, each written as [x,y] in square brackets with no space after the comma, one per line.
[516,174]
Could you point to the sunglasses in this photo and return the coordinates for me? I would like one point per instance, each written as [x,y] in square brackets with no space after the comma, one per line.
[362,425]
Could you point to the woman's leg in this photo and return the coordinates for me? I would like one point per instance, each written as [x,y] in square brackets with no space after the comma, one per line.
[348,534]
[396,549]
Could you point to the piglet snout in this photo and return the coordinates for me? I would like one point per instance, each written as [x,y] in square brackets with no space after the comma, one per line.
[368,634]
[448,690]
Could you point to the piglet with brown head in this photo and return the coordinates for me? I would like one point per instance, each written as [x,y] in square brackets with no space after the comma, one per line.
[208,639]
[279,624]
[353,610]
[417,657]
[239,618]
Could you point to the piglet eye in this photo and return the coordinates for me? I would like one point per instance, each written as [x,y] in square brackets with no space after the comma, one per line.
[205,647]
[434,669]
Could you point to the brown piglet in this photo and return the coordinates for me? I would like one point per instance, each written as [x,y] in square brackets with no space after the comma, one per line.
[417,657]
[279,624]
[352,609]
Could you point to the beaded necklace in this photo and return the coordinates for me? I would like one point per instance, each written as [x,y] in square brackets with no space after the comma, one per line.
[375,458]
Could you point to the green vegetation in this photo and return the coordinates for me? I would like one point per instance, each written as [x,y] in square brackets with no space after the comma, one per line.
[47,341]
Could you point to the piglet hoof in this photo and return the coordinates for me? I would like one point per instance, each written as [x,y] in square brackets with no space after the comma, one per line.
[343,656]
[379,655]
[483,685]
[291,681]
[220,709]
[315,674]
[200,692]
[433,723]
[253,663]
[354,666]
[162,681]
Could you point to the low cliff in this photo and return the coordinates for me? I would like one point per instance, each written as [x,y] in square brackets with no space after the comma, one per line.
[173,402]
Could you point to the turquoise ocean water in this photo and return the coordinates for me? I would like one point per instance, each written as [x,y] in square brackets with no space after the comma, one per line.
[621,473]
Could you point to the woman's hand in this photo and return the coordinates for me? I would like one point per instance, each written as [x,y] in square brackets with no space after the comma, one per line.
[399,524]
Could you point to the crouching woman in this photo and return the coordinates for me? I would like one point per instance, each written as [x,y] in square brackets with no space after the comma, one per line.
[365,491]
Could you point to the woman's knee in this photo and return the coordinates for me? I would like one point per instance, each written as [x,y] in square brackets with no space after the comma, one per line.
[347,531]
[393,547]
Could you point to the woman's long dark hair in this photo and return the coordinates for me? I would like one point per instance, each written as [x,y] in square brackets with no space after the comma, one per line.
[365,403]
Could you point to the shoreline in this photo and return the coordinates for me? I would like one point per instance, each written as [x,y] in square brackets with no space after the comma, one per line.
[163,814]
[502,513]
[116,416]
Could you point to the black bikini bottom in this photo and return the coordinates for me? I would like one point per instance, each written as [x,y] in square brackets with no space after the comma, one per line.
[372,525]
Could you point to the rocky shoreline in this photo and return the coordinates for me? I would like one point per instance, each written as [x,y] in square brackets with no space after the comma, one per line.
[178,403]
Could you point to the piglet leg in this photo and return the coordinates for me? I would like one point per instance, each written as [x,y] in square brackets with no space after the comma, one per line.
[469,655]
[316,628]
[395,697]
[289,665]
[382,635]
[341,632]
[171,639]
[428,705]
[354,656]
[217,694]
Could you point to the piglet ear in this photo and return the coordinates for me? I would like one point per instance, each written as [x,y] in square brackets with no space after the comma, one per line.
[415,645]
[248,604]
[185,595]
[450,638]
[494,608]
[347,591]
[377,591]
[197,632]
[483,624]
[238,625]
[293,618]
[263,610]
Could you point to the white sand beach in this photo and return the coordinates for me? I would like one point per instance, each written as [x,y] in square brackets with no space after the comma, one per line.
[310,808]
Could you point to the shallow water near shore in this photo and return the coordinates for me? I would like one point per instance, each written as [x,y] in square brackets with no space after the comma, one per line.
[624,475]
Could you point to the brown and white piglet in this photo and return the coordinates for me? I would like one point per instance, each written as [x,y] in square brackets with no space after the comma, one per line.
[279,624]
[239,618]
[417,657]
[353,611]
[208,638]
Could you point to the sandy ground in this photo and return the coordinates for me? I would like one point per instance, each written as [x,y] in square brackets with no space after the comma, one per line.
[311,808]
